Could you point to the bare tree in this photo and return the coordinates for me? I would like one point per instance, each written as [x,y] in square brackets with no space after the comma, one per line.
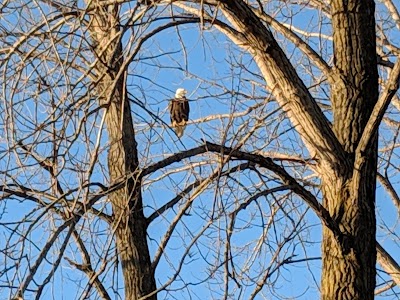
[294,116]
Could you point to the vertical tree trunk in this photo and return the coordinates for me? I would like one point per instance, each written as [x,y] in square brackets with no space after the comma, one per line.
[350,199]
[348,185]
[129,222]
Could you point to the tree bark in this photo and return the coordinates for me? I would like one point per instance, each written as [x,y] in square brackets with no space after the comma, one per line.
[349,271]
[348,185]
[129,222]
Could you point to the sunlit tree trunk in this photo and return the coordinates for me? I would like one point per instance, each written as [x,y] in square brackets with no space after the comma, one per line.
[348,174]
[350,198]
[129,222]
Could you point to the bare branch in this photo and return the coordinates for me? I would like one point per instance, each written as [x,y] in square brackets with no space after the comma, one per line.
[388,263]
[298,42]
[192,186]
[375,119]
[284,82]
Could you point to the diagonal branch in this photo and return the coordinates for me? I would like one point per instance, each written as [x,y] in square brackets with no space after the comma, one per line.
[288,180]
[192,186]
[92,277]
[173,159]
[388,263]
[264,162]
[283,80]
[297,41]
[385,182]
[375,119]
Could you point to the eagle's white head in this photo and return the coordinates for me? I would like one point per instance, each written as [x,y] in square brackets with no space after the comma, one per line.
[180,93]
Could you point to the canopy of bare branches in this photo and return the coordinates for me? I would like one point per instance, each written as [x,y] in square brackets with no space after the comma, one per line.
[100,199]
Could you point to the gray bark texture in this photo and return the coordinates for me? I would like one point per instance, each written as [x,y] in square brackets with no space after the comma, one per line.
[350,198]
[348,173]
[129,222]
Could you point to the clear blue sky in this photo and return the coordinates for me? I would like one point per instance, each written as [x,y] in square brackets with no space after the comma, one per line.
[208,67]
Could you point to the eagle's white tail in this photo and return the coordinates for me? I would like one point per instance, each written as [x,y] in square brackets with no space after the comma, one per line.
[179,129]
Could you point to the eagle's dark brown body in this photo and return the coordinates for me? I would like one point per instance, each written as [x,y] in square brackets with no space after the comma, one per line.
[179,113]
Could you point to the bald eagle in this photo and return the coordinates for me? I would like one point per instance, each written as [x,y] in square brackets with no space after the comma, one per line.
[179,111]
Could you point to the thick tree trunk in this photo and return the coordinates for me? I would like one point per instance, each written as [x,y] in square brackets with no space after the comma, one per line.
[349,272]
[348,184]
[129,222]
[350,198]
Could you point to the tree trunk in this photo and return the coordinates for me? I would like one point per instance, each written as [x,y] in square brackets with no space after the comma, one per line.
[350,198]
[348,184]
[129,222]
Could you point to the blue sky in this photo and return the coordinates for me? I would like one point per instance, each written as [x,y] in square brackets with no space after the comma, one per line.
[221,80]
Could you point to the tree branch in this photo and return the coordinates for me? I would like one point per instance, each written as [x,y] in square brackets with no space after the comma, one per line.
[173,159]
[288,180]
[264,162]
[289,90]
[192,186]
[375,119]
[297,41]
[93,277]
[388,263]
